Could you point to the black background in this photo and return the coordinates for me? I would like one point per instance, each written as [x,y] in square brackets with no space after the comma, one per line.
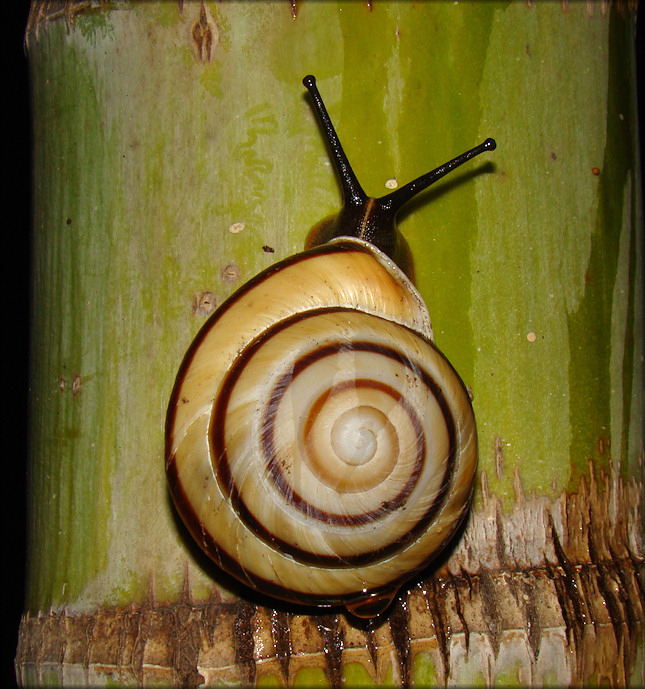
[15,315]
[15,136]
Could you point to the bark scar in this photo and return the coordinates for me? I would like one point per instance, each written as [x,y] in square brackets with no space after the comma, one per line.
[205,35]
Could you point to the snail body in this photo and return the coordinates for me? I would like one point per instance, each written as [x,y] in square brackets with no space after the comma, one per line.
[319,447]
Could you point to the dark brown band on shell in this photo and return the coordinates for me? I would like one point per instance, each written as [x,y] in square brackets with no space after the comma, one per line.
[229,488]
[230,565]
[337,247]
[273,461]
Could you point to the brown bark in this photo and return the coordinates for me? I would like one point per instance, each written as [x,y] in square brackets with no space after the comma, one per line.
[551,590]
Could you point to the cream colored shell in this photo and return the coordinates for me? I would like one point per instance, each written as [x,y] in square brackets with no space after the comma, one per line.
[319,447]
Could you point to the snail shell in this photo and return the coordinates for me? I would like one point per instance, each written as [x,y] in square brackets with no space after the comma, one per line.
[319,447]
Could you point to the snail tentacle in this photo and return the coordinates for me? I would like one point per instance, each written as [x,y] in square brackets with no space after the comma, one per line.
[396,199]
[353,194]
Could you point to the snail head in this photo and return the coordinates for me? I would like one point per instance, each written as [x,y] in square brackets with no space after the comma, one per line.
[365,217]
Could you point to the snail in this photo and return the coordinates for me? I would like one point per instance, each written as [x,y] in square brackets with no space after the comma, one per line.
[319,447]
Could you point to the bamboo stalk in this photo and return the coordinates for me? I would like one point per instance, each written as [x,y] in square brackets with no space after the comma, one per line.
[174,157]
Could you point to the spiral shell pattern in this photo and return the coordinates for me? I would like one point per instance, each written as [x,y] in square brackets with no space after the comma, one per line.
[319,447]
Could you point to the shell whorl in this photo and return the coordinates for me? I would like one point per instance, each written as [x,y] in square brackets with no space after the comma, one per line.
[319,447]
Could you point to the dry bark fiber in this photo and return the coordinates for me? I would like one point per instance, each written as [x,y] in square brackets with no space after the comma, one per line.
[550,592]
